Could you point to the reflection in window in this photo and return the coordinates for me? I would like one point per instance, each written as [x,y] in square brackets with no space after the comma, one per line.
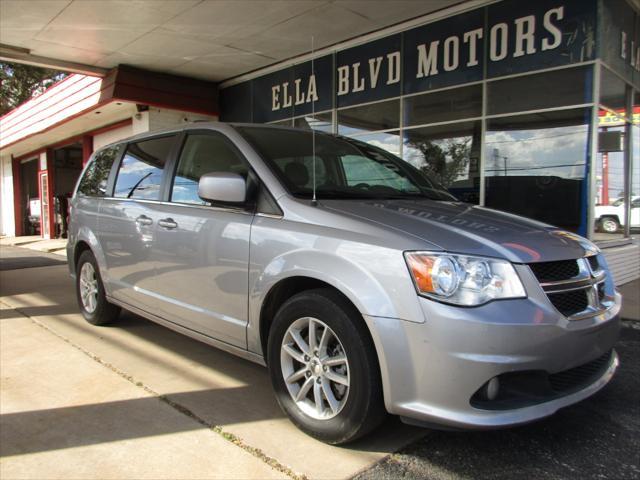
[94,181]
[369,118]
[450,154]
[321,121]
[203,153]
[536,166]
[611,204]
[141,169]
[389,141]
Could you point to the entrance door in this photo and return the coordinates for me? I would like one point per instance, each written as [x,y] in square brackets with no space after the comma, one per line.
[44,205]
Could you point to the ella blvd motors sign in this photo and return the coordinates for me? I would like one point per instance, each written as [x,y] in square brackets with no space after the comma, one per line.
[503,38]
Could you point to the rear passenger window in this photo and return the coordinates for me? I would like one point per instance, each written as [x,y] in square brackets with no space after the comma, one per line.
[94,180]
[203,153]
[140,173]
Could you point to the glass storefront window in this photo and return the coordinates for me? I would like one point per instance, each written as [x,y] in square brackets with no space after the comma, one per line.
[571,86]
[535,166]
[610,202]
[444,106]
[369,118]
[450,154]
[389,141]
[321,121]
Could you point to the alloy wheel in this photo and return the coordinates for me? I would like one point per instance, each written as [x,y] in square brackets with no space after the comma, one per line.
[88,287]
[315,368]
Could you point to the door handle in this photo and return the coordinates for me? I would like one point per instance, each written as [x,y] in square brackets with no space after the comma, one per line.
[168,223]
[143,220]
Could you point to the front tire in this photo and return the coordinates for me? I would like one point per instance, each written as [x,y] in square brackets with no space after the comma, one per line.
[324,368]
[609,225]
[90,292]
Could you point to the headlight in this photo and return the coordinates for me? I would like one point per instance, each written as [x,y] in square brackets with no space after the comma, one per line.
[463,280]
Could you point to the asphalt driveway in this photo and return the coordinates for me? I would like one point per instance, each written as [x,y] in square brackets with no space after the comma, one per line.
[596,439]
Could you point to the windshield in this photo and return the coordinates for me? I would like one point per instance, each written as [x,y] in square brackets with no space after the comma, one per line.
[344,168]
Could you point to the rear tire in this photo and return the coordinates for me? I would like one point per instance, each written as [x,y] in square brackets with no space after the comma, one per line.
[338,382]
[90,292]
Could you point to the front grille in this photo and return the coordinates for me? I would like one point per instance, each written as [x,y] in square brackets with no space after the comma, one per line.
[570,302]
[555,271]
[578,377]
[574,287]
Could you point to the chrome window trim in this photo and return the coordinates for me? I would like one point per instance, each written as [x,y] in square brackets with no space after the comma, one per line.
[185,205]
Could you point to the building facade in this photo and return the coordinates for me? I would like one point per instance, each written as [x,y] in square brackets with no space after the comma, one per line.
[45,142]
[528,107]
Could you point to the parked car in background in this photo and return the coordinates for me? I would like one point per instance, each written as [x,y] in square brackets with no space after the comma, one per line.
[611,218]
[362,285]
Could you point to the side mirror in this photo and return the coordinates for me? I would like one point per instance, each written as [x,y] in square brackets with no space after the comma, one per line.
[222,187]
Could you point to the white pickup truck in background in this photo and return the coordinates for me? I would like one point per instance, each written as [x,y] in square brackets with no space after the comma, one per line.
[610,218]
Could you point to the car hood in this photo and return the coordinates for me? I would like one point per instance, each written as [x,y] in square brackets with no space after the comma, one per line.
[468,229]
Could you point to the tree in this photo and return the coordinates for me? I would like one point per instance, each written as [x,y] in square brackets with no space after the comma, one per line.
[445,160]
[18,83]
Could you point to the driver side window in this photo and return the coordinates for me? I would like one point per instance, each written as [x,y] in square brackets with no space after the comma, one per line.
[203,153]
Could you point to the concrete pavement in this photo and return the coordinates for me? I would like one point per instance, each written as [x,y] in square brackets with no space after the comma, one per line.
[64,415]
[140,401]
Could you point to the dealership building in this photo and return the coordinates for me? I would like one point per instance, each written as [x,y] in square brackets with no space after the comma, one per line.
[527,107]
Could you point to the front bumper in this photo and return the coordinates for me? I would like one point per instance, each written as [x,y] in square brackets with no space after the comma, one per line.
[431,370]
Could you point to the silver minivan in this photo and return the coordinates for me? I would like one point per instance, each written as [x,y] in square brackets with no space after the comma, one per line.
[363,285]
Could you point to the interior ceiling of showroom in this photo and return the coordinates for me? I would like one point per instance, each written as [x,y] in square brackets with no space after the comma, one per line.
[208,39]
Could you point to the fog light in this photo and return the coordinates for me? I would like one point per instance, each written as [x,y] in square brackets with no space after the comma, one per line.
[491,389]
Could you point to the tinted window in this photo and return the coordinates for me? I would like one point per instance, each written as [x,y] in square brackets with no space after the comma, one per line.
[94,181]
[571,86]
[203,153]
[369,118]
[443,106]
[140,173]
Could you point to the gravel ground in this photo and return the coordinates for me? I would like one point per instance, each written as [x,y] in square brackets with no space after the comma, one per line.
[598,438]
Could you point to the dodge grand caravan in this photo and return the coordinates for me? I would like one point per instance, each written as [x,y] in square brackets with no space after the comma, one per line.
[361,284]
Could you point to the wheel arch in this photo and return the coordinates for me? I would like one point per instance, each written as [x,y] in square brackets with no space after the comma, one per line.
[283,290]
[86,240]
[614,216]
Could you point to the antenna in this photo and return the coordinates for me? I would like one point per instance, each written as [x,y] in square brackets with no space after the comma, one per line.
[314,200]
